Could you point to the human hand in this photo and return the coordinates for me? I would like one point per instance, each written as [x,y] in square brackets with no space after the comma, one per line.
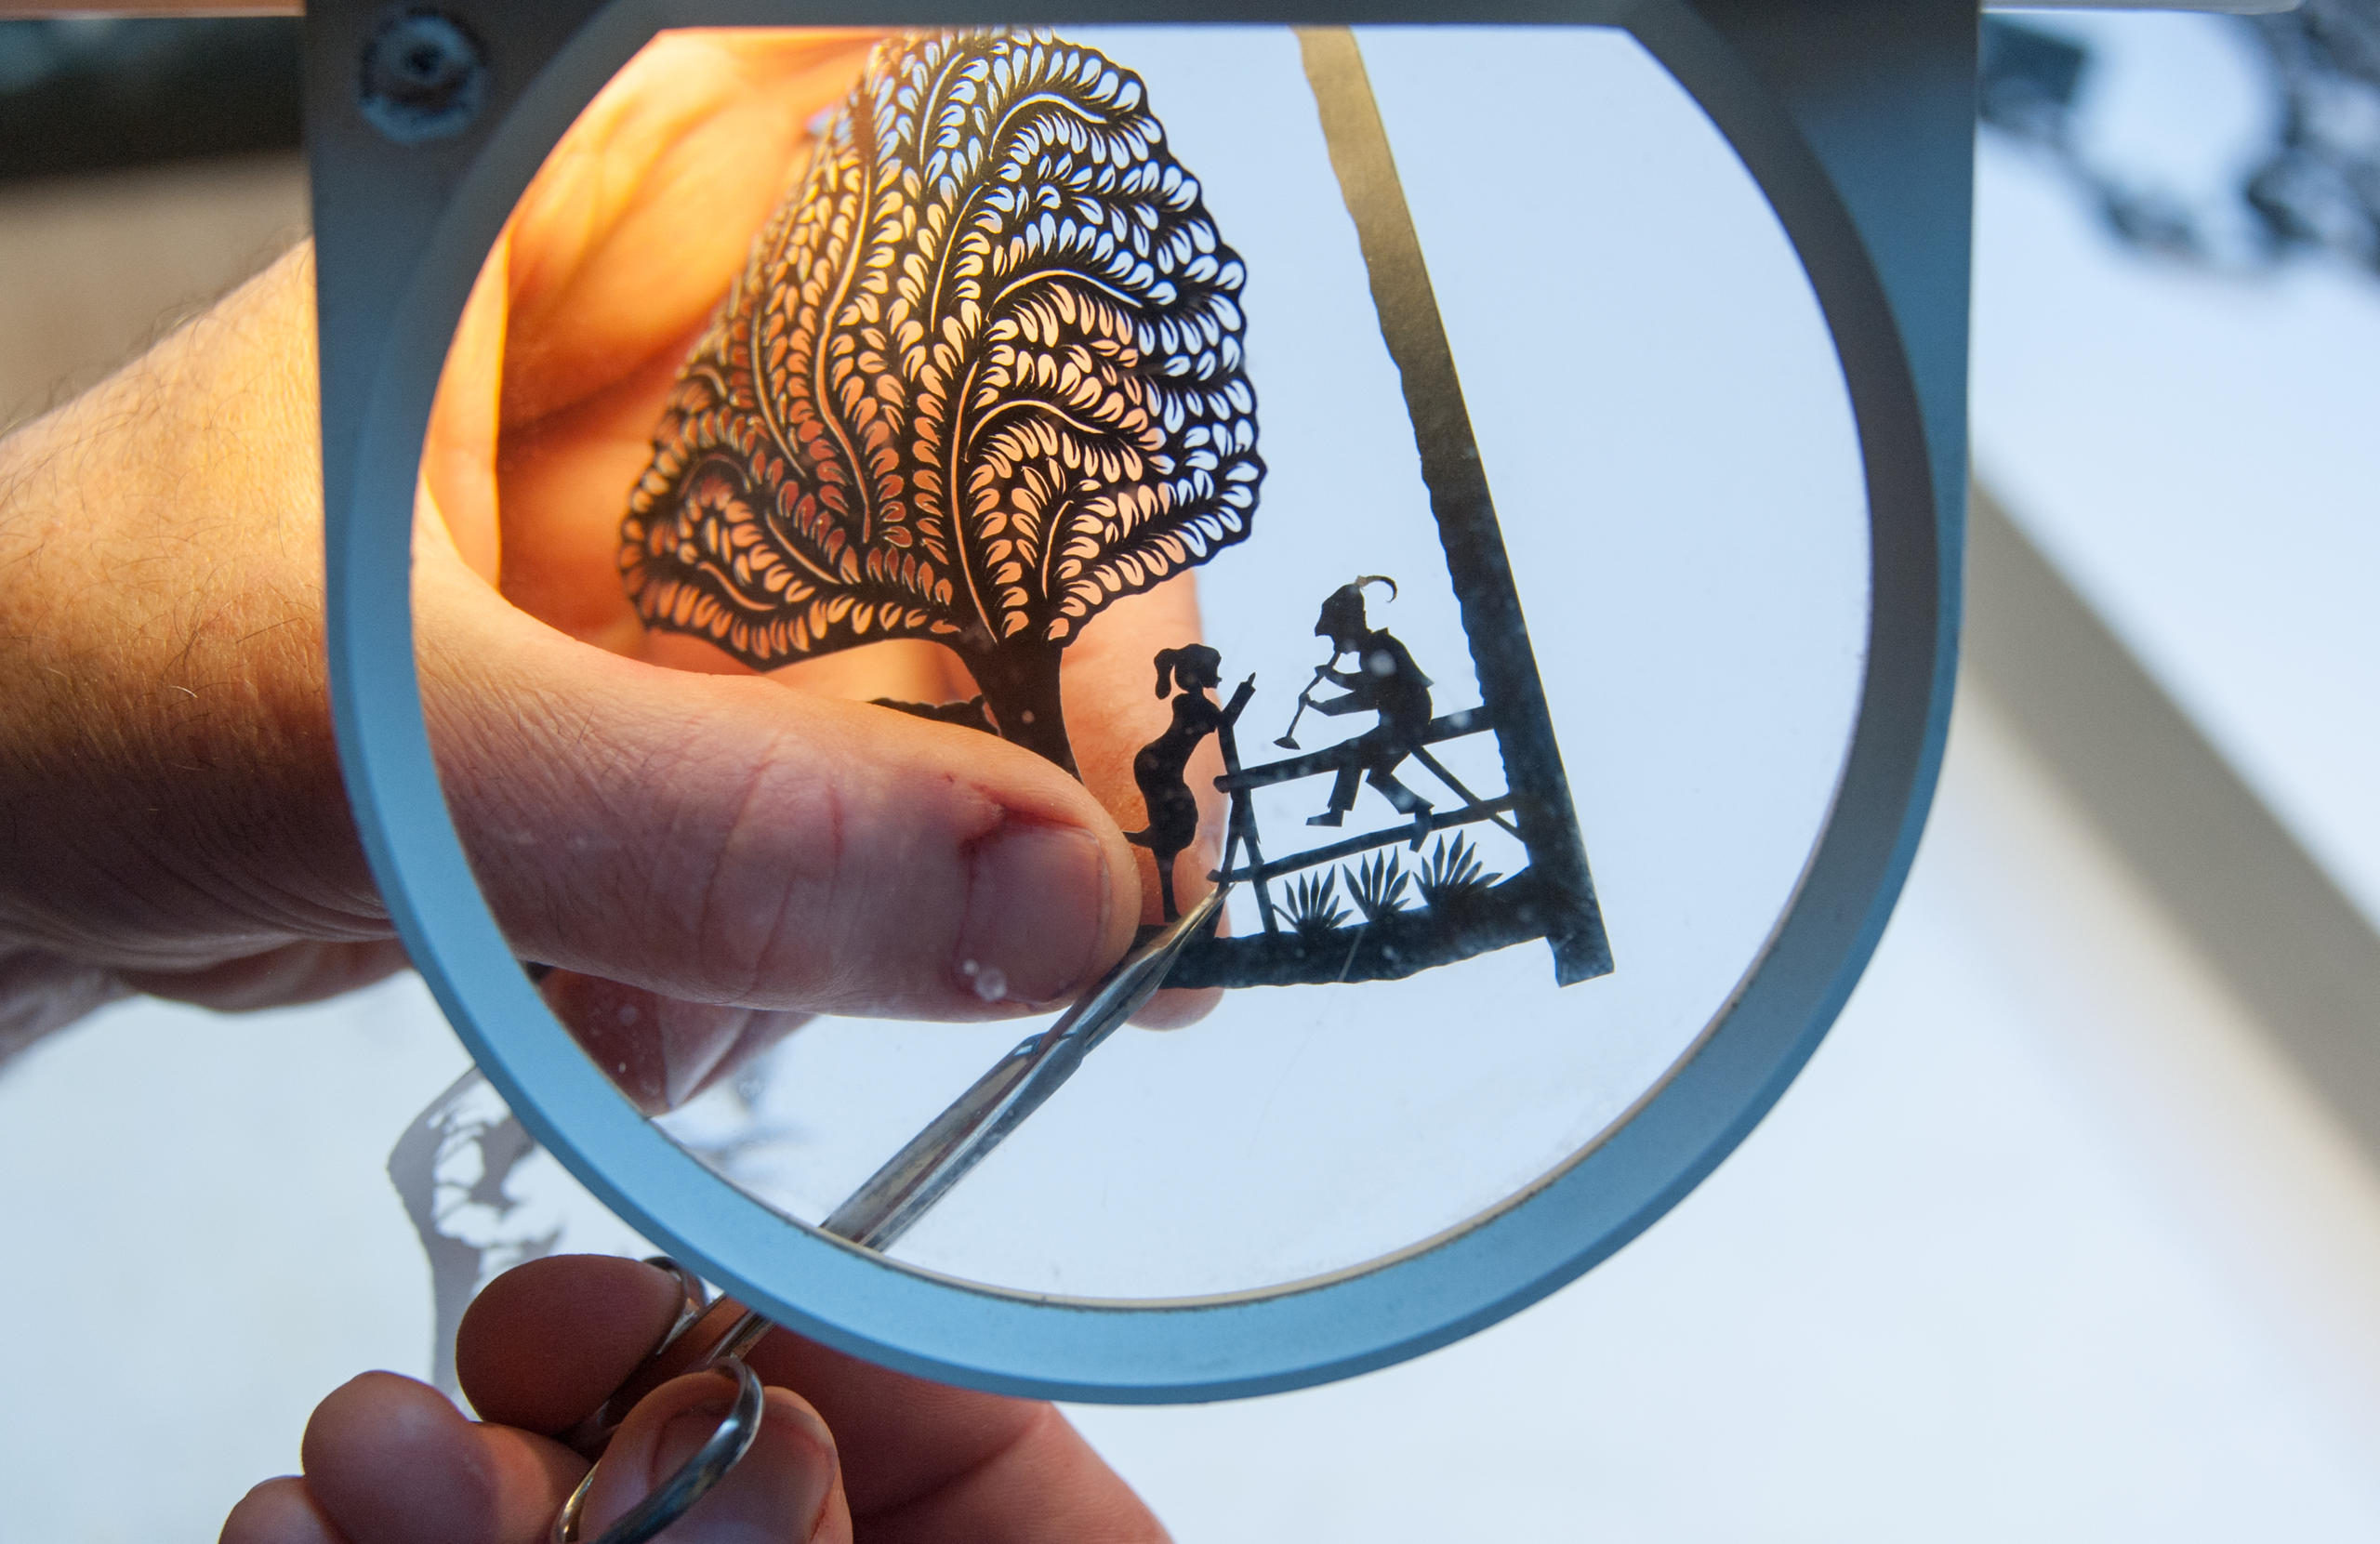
[715,851]
[610,268]
[845,1449]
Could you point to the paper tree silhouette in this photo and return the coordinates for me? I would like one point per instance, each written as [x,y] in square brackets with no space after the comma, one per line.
[981,377]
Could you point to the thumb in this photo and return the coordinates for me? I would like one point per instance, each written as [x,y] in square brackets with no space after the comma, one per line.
[786,1489]
[725,839]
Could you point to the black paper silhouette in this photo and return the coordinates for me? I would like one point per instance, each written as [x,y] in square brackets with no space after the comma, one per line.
[1385,682]
[1466,909]
[1158,768]
[1309,936]
[980,377]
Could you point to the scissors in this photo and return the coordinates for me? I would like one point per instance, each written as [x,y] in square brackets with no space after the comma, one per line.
[875,1217]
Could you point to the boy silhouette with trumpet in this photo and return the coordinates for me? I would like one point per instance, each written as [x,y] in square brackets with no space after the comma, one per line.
[1385,682]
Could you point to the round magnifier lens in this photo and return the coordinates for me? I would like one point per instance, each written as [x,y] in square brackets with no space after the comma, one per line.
[1401,477]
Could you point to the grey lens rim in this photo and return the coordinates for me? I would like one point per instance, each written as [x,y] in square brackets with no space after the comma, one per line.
[402,232]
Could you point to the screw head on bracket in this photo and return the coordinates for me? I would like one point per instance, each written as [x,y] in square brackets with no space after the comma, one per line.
[424,76]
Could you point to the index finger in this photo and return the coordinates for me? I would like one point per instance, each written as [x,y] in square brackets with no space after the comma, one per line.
[921,1461]
[927,1462]
[644,212]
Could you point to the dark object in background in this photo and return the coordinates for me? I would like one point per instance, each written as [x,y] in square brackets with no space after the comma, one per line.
[2320,187]
[104,93]
[2030,78]
[2315,188]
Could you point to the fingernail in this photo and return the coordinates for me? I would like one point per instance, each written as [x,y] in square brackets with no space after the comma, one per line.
[1037,906]
[775,1495]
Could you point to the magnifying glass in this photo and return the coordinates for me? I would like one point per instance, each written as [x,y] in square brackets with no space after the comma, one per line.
[1586,384]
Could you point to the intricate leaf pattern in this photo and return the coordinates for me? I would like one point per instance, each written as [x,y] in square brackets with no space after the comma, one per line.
[981,375]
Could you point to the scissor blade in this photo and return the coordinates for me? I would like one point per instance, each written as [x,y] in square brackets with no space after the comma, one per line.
[898,1194]
[956,1140]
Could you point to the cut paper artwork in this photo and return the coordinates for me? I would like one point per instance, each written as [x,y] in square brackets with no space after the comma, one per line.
[985,374]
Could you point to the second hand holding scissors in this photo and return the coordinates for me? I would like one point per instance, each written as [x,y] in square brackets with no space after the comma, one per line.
[878,1213]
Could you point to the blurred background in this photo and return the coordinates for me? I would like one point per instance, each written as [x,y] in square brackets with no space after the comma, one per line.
[2071,1230]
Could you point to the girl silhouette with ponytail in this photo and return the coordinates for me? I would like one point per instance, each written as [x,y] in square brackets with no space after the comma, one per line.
[1158,768]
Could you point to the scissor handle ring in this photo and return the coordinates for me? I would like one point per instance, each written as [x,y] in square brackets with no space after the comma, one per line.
[720,1452]
[589,1435]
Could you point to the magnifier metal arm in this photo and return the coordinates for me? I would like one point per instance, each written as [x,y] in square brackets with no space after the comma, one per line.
[885,1208]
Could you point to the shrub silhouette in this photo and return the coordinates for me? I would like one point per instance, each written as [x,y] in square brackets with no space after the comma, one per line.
[1313,903]
[1378,887]
[1452,874]
[981,377]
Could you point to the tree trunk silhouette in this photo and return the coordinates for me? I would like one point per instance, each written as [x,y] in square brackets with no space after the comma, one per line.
[1019,680]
